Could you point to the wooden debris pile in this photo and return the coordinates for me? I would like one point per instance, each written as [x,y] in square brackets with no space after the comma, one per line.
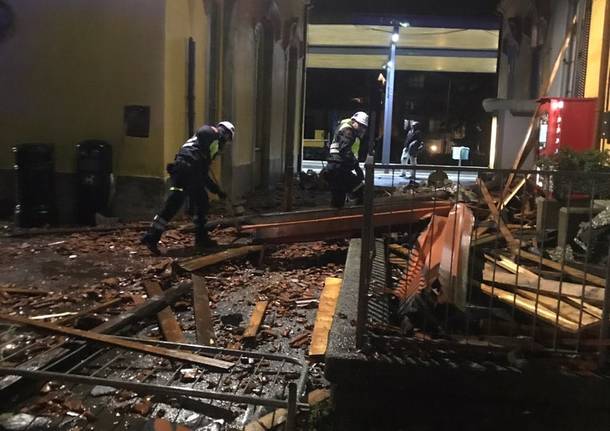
[480,270]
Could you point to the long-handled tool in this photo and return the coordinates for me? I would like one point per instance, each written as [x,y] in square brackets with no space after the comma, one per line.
[230,206]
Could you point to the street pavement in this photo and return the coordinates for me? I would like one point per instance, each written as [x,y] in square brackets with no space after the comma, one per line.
[393,178]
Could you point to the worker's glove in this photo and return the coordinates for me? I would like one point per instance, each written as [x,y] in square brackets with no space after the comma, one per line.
[222,195]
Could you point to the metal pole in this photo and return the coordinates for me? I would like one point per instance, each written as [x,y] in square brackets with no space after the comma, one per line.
[389,101]
[291,419]
[367,243]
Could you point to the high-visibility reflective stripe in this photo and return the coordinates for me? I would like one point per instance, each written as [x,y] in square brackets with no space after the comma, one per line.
[214,147]
[159,223]
[345,123]
[356,147]
[176,189]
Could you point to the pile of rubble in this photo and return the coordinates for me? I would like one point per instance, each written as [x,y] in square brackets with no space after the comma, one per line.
[483,271]
[207,342]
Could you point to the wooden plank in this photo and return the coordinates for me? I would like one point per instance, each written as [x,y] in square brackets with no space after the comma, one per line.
[167,320]
[590,309]
[576,273]
[504,230]
[529,306]
[204,327]
[19,291]
[529,281]
[509,196]
[256,319]
[152,305]
[119,342]
[324,317]
[399,250]
[566,310]
[339,227]
[213,259]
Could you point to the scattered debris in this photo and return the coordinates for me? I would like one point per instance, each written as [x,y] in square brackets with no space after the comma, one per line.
[324,318]
[23,421]
[212,259]
[202,313]
[100,391]
[169,325]
[114,341]
[256,319]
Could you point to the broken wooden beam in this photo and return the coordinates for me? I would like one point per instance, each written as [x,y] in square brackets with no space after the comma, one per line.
[564,318]
[399,250]
[513,244]
[119,342]
[153,305]
[19,291]
[513,192]
[256,319]
[529,281]
[212,259]
[204,327]
[300,339]
[167,320]
[324,317]
[573,272]
[58,354]
[343,226]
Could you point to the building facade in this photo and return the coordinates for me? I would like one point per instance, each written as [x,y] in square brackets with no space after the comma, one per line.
[533,34]
[74,70]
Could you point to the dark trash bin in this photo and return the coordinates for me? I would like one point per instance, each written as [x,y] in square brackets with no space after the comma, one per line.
[35,200]
[94,180]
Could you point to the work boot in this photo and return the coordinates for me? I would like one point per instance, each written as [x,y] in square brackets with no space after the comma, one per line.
[337,201]
[203,241]
[151,240]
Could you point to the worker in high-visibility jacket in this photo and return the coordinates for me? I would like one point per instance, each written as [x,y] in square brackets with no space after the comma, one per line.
[342,172]
[190,177]
[347,123]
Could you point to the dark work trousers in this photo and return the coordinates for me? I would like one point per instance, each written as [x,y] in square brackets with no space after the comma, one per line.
[341,181]
[198,197]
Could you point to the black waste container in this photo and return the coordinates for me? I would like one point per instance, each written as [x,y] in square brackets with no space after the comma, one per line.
[94,179]
[35,202]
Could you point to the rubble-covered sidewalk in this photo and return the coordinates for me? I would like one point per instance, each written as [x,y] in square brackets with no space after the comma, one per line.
[255,310]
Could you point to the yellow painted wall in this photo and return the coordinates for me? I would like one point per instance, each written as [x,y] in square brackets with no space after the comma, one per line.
[244,88]
[595,47]
[69,70]
[183,19]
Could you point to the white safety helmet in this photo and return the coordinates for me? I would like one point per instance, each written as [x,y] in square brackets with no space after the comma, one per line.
[361,118]
[229,126]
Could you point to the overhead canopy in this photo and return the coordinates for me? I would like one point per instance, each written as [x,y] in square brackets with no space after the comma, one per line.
[340,46]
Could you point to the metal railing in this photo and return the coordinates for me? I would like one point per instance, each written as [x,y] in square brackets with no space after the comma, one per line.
[179,390]
[533,268]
